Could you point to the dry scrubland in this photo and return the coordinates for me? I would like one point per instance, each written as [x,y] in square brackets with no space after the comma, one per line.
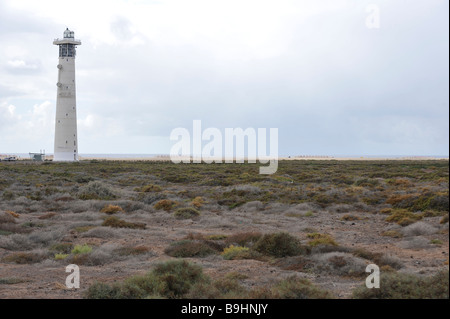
[160,230]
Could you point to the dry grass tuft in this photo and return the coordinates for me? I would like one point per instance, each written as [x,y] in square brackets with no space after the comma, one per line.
[320,239]
[165,204]
[111,209]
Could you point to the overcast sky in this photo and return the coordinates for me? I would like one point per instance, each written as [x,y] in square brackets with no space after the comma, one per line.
[311,68]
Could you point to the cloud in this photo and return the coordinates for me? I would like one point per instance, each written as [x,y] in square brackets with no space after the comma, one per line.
[7,115]
[310,68]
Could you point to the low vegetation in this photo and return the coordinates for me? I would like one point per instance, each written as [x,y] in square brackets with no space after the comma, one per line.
[320,239]
[112,209]
[115,222]
[407,286]
[181,279]
[279,245]
[186,213]
[320,219]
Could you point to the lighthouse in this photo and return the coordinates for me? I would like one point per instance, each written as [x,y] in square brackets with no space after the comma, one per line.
[66,138]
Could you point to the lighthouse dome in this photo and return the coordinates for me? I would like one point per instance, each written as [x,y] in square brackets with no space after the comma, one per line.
[69,34]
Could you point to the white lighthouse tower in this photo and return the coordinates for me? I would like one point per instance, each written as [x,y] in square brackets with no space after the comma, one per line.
[66,138]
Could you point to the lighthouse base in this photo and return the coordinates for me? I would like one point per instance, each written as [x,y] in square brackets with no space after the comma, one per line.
[65,157]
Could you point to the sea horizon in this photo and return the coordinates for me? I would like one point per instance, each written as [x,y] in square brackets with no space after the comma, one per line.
[143,155]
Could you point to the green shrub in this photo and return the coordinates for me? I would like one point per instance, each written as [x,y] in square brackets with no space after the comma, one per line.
[299,288]
[279,245]
[186,213]
[407,286]
[439,202]
[81,249]
[320,239]
[171,279]
[235,252]
[61,256]
[403,217]
[423,202]
[100,290]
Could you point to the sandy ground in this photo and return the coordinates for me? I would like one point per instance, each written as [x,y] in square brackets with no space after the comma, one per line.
[47,279]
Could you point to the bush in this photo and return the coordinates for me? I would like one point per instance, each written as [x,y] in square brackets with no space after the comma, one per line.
[198,202]
[415,202]
[113,221]
[186,213]
[403,217]
[100,290]
[165,204]
[320,239]
[340,264]
[402,200]
[299,288]
[111,209]
[436,242]
[407,286]
[235,252]
[16,242]
[438,202]
[418,229]
[189,248]
[96,190]
[279,245]
[81,249]
[25,258]
[171,279]
[63,248]
[228,288]
[177,277]
[246,239]
[379,258]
